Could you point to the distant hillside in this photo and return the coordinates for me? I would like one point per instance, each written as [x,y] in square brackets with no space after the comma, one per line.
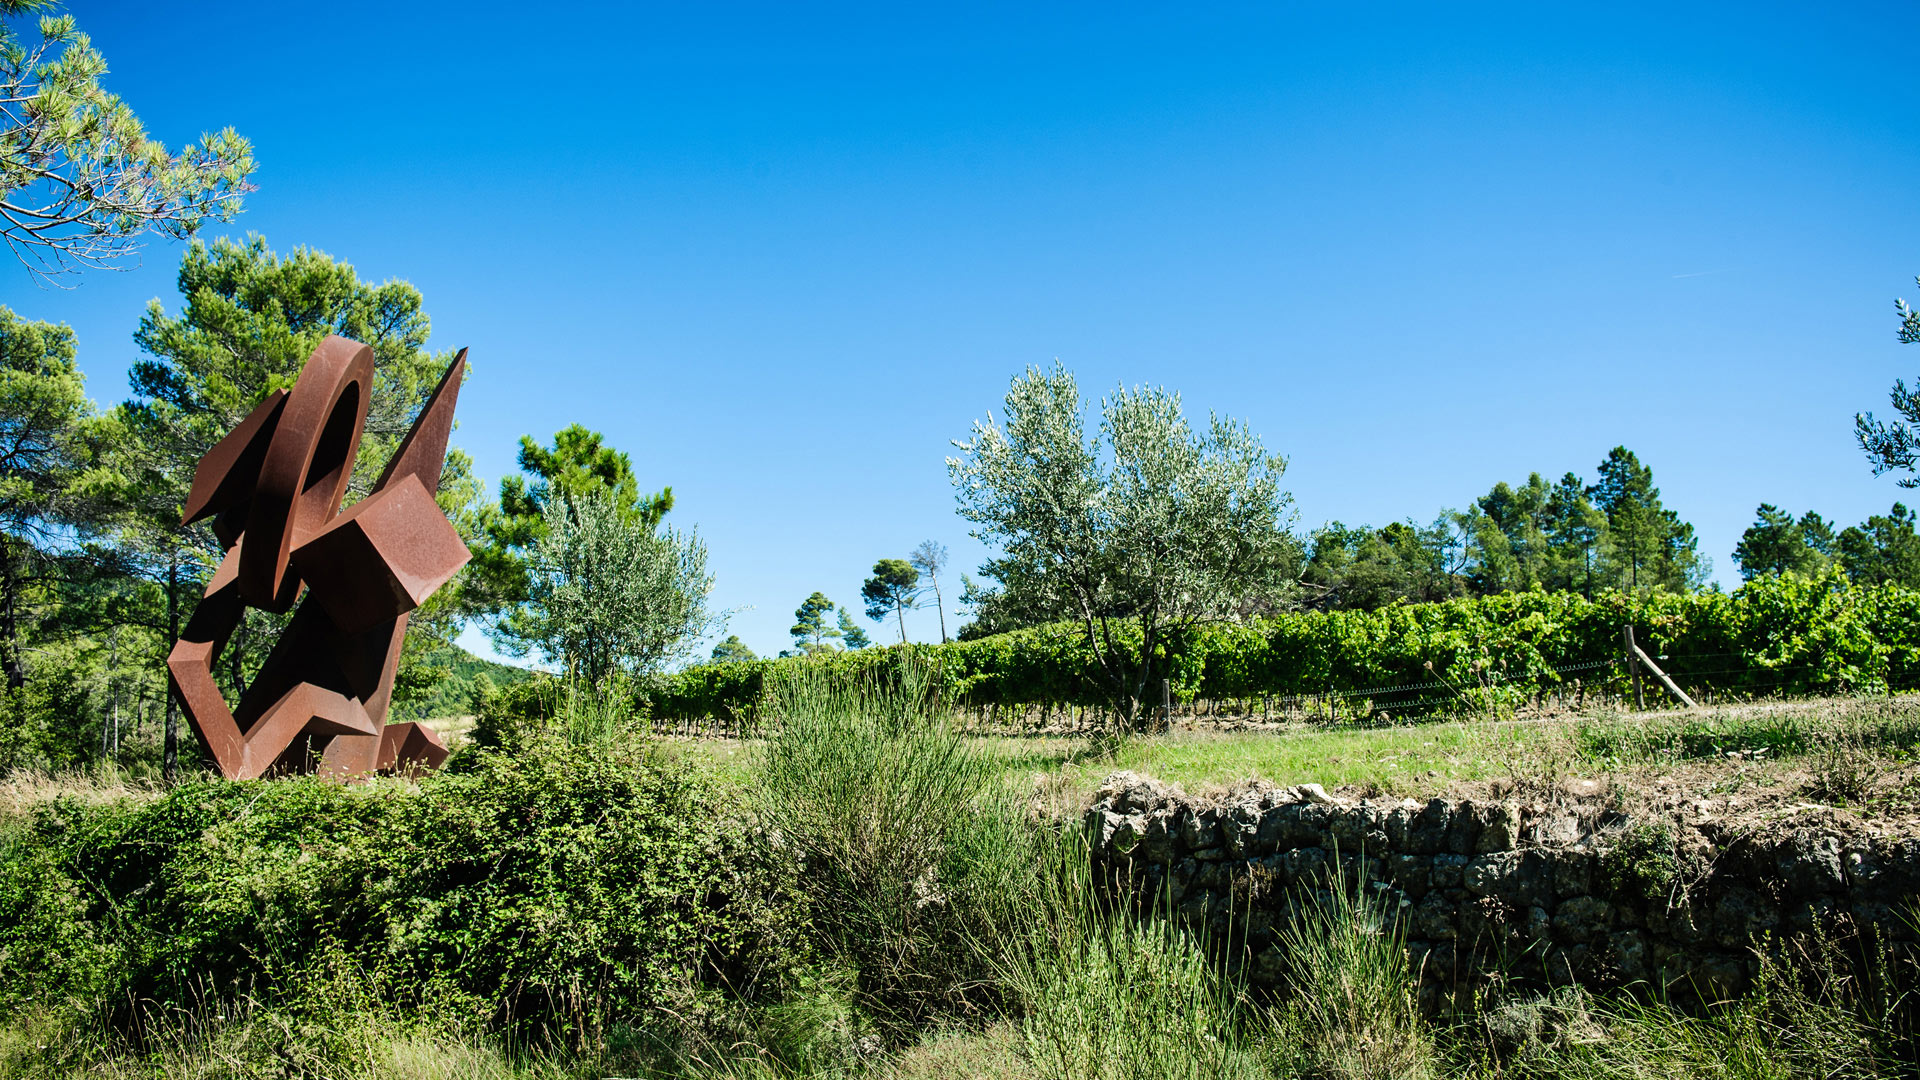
[454,697]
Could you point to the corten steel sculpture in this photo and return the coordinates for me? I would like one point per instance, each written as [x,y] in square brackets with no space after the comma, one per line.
[273,488]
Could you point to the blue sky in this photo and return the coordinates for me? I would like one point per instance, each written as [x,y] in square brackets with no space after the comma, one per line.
[782,255]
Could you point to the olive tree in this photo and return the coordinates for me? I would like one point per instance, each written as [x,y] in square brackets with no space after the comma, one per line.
[1139,534]
[609,592]
[1895,447]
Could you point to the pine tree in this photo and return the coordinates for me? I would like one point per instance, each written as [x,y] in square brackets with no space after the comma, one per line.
[893,588]
[811,631]
[1648,546]
[80,179]
[850,632]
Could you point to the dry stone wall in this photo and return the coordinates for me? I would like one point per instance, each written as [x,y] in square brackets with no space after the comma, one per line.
[1544,892]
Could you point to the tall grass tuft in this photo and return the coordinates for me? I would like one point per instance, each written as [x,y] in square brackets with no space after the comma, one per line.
[1108,995]
[1351,1010]
[903,833]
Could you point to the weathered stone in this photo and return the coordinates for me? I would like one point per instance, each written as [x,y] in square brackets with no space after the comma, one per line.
[1859,865]
[1119,834]
[1303,865]
[1199,831]
[1397,823]
[1427,829]
[1899,867]
[1583,918]
[1315,824]
[1131,793]
[1240,828]
[1448,869]
[1432,919]
[1629,954]
[1572,872]
[1499,824]
[1485,919]
[1486,874]
[1212,876]
[1463,829]
[1412,873]
[1156,836]
[1360,829]
[1537,924]
[1553,830]
[1741,914]
[1281,828]
[1522,877]
[1809,862]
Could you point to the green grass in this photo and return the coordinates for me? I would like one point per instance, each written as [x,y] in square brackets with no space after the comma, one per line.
[1423,760]
[1831,737]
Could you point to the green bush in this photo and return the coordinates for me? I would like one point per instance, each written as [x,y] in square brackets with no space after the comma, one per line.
[511,716]
[1351,1007]
[557,891]
[1775,635]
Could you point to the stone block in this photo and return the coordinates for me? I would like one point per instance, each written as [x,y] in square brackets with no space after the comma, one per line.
[1499,825]
[1427,828]
[1448,870]
[1432,919]
[1412,873]
[1627,950]
[1199,831]
[1572,872]
[1809,862]
[1582,918]
[1463,829]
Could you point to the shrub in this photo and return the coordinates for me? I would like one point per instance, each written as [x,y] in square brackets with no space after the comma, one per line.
[511,716]
[1643,860]
[558,891]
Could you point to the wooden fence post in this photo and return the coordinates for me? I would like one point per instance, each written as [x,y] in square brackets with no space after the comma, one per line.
[1633,668]
[1645,661]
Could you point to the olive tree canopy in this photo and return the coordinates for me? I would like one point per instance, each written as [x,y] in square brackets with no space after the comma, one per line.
[609,592]
[1149,523]
[1895,447]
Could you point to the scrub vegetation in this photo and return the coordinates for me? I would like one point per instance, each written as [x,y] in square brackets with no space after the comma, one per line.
[866,891]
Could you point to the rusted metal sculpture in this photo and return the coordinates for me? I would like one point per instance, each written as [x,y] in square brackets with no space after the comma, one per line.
[273,488]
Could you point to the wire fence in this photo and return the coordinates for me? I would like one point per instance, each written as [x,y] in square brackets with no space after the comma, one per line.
[1588,684]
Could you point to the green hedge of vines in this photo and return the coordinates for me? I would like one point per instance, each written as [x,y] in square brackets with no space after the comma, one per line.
[1787,635]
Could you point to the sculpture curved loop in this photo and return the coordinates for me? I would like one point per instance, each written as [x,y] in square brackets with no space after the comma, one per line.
[273,486]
